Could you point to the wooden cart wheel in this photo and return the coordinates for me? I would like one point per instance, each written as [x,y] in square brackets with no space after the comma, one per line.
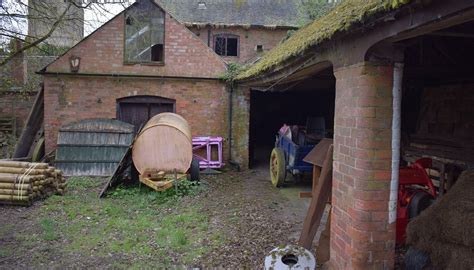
[194,170]
[277,167]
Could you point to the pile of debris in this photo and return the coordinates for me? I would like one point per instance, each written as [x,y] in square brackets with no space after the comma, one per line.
[22,183]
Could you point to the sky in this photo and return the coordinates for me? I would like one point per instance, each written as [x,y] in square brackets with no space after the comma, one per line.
[94,16]
[98,14]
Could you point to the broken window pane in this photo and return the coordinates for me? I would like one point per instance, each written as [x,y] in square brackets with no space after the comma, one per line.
[220,46]
[226,45]
[144,33]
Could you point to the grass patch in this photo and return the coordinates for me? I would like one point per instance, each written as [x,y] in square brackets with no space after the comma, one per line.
[5,253]
[147,195]
[83,183]
[132,223]
[48,228]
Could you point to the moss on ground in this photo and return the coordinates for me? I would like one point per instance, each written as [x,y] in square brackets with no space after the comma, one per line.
[340,19]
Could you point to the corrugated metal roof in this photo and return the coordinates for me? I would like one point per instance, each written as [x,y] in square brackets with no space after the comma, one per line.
[276,13]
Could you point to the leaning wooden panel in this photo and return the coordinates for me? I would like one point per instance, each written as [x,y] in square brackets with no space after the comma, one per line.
[318,154]
[164,144]
[92,146]
[318,202]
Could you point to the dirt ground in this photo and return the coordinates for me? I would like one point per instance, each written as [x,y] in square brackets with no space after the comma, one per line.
[252,217]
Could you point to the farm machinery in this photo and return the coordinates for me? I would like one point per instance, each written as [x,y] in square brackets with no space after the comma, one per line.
[416,190]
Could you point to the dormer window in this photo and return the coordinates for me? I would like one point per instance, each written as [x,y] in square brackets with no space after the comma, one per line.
[226,45]
[144,33]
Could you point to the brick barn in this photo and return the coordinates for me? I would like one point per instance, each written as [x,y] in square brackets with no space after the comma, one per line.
[161,56]
[369,67]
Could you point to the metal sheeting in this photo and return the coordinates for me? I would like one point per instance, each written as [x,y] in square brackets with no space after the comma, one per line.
[92,147]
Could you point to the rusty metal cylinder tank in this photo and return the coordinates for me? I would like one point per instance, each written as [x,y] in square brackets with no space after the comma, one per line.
[163,144]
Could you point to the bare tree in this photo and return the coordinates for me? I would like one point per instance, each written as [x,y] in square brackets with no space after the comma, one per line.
[15,15]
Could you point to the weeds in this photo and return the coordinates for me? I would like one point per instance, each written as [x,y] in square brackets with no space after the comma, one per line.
[147,195]
[82,183]
[49,229]
[131,222]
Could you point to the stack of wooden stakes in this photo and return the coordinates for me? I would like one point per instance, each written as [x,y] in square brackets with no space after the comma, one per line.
[22,183]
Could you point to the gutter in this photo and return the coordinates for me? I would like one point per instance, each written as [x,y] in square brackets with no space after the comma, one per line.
[46,73]
[245,26]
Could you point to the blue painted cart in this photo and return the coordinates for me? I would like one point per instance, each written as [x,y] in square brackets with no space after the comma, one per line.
[287,156]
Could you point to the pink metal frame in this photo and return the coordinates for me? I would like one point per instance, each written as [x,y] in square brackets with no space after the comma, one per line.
[209,143]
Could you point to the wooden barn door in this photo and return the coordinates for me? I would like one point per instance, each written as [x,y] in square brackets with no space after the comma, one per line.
[137,110]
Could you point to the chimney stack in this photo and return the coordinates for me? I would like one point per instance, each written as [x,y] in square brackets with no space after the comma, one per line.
[18,65]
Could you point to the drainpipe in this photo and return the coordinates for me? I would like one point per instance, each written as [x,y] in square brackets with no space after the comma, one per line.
[230,111]
[396,124]
[208,36]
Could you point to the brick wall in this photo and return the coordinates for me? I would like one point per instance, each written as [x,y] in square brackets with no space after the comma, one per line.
[248,40]
[240,126]
[361,237]
[102,52]
[19,85]
[69,99]
[16,105]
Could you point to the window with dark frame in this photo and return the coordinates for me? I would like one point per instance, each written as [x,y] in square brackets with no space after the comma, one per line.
[226,45]
[144,33]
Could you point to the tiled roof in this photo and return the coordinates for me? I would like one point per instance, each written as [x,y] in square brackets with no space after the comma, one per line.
[270,13]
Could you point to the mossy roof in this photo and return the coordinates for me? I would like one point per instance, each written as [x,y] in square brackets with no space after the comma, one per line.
[340,19]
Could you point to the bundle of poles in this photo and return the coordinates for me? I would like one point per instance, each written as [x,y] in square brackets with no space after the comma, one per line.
[22,183]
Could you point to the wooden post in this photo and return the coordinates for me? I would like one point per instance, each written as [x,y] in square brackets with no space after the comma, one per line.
[316,175]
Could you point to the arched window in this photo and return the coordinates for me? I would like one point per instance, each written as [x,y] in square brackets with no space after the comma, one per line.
[226,44]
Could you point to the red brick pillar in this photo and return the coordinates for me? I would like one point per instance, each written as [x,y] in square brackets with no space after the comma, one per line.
[361,237]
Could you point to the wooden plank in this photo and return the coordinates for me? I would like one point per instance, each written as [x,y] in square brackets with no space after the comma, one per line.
[305,194]
[316,175]
[33,125]
[91,152]
[116,177]
[318,153]
[124,164]
[101,125]
[318,202]
[157,185]
[322,251]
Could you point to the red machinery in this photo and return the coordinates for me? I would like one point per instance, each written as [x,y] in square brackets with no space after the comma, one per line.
[415,193]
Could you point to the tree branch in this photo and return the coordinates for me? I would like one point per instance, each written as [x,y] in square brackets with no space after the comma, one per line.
[38,41]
